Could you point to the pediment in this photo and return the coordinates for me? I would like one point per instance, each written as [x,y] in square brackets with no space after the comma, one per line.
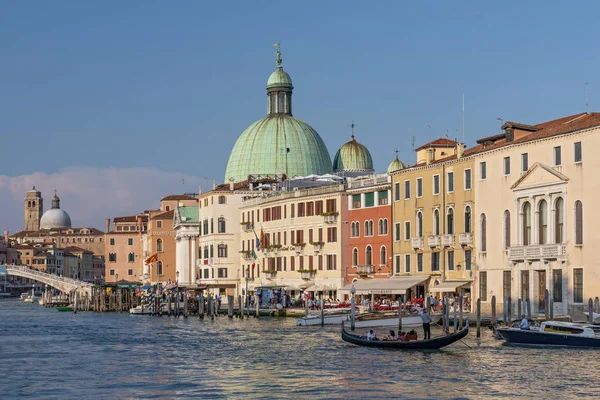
[539,175]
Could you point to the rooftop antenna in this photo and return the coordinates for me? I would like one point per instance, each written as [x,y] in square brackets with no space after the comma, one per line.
[586,97]
[413,147]
[463,117]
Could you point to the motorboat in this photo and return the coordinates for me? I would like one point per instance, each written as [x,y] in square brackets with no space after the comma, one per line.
[328,319]
[140,310]
[551,333]
[429,344]
[29,298]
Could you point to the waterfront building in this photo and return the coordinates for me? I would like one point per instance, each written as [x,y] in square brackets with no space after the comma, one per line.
[81,267]
[98,268]
[370,225]
[279,143]
[535,190]
[8,253]
[187,229]
[123,248]
[433,208]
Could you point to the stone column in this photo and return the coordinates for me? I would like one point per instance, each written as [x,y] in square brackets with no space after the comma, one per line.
[193,257]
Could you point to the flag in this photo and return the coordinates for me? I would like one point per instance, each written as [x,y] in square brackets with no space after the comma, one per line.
[253,266]
[254,255]
[151,259]
[257,239]
[262,236]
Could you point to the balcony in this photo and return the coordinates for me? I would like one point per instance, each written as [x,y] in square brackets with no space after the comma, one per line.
[307,274]
[433,241]
[417,243]
[364,269]
[317,246]
[270,274]
[247,226]
[538,252]
[299,247]
[465,239]
[330,218]
[448,240]
[247,255]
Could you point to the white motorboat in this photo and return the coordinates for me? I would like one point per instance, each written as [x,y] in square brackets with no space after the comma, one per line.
[140,310]
[332,316]
[29,298]
[552,333]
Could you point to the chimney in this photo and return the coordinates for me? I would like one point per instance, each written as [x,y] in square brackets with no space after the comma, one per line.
[231,184]
[140,224]
[251,186]
[430,156]
[214,184]
[460,149]
[6,236]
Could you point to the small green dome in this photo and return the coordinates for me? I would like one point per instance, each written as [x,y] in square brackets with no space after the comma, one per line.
[279,78]
[353,157]
[396,165]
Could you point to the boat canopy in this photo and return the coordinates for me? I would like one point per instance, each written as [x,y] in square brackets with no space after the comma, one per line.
[394,285]
[449,286]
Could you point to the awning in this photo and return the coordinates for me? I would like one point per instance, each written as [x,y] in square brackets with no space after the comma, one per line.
[394,285]
[321,288]
[449,286]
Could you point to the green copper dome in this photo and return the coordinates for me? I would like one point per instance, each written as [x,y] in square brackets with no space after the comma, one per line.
[278,143]
[396,165]
[353,157]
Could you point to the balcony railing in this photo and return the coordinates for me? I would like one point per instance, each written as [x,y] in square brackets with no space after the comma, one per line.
[270,274]
[247,255]
[417,243]
[538,252]
[308,274]
[299,248]
[364,269]
[448,240]
[330,218]
[317,247]
[248,226]
[465,239]
[433,241]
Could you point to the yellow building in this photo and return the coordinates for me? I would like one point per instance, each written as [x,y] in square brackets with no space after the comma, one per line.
[432,212]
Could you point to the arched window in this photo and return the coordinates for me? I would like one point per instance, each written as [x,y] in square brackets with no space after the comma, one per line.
[369,256]
[355,256]
[559,220]
[436,222]
[212,225]
[506,229]
[578,222]
[468,219]
[542,222]
[380,227]
[159,245]
[29,204]
[385,226]
[212,250]
[222,200]
[419,224]
[357,229]
[526,224]
[383,256]
[222,250]
[366,228]
[483,233]
[130,257]
[352,231]
[159,268]
[205,251]
[371,228]
[221,225]
[450,222]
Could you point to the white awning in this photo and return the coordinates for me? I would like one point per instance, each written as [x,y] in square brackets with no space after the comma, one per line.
[321,288]
[449,286]
[393,285]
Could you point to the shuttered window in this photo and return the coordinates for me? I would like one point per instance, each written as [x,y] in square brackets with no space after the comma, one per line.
[483,286]
[578,222]
[506,229]
[483,233]
[578,285]
[506,284]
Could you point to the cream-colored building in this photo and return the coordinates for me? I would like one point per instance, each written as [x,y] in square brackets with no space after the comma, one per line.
[534,190]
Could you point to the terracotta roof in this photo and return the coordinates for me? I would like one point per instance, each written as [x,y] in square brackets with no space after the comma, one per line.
[76,249]
[165,215]
[22,247]
[178,197]
[56,231]
[130,218]
[441,142]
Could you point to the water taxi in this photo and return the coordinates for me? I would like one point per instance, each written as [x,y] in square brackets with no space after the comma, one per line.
[551,333]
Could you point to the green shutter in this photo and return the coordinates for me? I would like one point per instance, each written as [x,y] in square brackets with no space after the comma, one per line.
[383,194]
[369,199]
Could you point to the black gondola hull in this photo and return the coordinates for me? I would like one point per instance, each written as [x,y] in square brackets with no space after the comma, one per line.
[536,338]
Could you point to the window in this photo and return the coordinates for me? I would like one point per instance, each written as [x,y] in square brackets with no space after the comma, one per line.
[383,256]
[222,200]
[383,226]
[557,285]
[524,162]
[506,284]
[397,259]
[159,224]
[436,184]
[578,223]
[331,235]
[435,261]
[483,233]
[130,257]
[167,208]
[205,251]
[450,221]
[419,261]
[112,241]
[406,190]
[356,201]
[159,245]
[222,272]
[419,187]
[559,218]
[450,182]
[130,242]
[407,262]
[526,224]
[543,222]
[468,260]
[112,257]
[525,285]
[577,156]
[467,179]
[483,170]
[436,222]
[483,285]
[355,229]
[557,156]
[467,219]
[221,225]
[355,256]
[506,165]
[205,273]
[419,224]
[407,230]
[222,250]
[577,285]
[129,272]
[369,199]
[397,231]
[331,262]
[369,256]
[450,261]
[506,229]
[159,268]
[396,191]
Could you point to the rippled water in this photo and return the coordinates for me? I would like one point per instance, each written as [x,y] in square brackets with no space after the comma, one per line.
[49,354]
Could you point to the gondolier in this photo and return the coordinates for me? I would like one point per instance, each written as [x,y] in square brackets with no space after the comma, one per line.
[426,324]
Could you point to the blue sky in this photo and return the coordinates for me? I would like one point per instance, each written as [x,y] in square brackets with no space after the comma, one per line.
[171,85]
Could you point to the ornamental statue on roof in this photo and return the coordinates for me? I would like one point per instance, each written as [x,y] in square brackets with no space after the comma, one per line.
[278,55]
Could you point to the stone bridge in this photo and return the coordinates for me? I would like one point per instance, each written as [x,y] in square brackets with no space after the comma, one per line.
[66,285]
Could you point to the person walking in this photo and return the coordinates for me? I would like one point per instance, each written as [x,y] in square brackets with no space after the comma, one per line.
[426,324]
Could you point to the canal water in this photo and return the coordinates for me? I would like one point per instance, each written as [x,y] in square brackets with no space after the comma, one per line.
[46,354]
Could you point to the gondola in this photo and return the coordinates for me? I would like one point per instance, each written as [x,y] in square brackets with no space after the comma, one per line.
[429,344]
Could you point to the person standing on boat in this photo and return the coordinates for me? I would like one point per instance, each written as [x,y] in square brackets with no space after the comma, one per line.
[426,324]
[524,323]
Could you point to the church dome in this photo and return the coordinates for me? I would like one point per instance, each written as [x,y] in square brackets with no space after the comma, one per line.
[395,165]
[353,157]
[55,217]
[278,143]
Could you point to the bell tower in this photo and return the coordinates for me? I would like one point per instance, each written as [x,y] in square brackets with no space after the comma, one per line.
[34,207]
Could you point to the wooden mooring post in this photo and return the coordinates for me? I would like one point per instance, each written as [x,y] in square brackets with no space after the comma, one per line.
[460,303]
[528,308]
[519,309]
[241,307]
[504,311]
[546,304]
[185,305]
[257,305]
[590,311]
[510,310]
[230,306]
[322,310]
[494,310]
[478,318]
[596,305]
